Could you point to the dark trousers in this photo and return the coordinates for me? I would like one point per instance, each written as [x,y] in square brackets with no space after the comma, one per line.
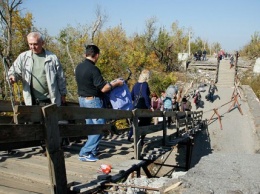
[169,121]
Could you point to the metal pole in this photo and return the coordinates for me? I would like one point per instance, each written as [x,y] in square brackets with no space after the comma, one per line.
[189,42]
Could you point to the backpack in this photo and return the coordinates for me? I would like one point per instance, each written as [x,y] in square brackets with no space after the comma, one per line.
[120,98]
[171,90]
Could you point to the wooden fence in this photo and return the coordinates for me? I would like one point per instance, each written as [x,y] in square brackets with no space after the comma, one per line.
[33,124]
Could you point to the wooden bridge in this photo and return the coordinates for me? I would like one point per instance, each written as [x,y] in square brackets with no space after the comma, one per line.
[25,168]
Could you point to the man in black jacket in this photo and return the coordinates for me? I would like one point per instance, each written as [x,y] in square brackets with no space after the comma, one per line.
[91,86]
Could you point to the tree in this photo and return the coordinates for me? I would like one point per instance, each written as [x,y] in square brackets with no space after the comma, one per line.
[167,46]
[180,38]
[21,27]
[6,18]
[252,49]
[113,45]
[98,24]
[216,47]
[164,48]
[13,28]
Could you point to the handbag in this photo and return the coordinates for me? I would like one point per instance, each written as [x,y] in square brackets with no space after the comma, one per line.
[139,100]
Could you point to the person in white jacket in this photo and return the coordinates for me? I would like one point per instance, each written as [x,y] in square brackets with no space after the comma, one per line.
[41,74]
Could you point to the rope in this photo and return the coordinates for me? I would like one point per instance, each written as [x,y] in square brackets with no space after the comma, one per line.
[218,107]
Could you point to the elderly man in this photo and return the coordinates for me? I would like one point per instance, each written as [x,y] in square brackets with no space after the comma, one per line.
[41,74]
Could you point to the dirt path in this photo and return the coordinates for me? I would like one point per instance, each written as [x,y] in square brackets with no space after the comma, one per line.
[224,160]
[237,133]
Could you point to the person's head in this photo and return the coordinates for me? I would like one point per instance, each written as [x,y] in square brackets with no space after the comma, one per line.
[154,95]
[144,76]
[35,42]
[184,99]
[163,93]
[92,52]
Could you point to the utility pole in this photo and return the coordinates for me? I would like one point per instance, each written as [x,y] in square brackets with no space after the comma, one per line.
[189,42]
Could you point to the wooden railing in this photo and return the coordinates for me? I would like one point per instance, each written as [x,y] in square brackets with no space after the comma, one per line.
[33,124]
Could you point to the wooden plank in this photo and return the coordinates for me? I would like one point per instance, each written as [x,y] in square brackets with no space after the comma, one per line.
[147,113]
[143,130]
[6,106]
[136,137]
[18,169]
[19,145]
[30,114]
[74,130]
[6,119]
[78,113]
[55,154]
[170,113]
[19,133]
[10,184]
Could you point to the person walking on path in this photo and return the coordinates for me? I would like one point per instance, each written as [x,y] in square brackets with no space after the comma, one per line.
[204,55]
[156,104]
[167,106]
[141,97]
[91,86]
[41,74]
[212,89]
[231,61]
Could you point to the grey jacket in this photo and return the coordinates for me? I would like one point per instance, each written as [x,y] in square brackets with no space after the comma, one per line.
[22,68]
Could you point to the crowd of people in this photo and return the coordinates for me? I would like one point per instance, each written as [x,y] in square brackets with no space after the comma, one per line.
[200,55]
[44,83]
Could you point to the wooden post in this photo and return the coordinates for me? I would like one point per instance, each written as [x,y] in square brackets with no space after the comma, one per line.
[236,67]
[164,129]
[217,71]
[57,170]
[136,135]
[219,117]
[235,103]
[189,146]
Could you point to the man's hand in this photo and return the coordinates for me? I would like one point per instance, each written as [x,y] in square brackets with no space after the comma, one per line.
[12,79]
[110,85]
[119,82]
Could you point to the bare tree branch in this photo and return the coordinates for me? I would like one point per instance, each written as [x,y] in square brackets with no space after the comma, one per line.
[101,19]
[95,28]
[6,16]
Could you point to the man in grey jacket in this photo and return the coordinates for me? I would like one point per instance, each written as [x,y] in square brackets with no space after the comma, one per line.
[41,74]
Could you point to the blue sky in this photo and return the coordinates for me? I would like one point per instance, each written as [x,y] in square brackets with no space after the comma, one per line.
[229,22]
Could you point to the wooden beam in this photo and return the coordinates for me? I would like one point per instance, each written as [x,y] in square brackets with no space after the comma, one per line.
[6,106]
[19,145]
[25,114]
[78,113]
[21,133]
[57,169]
[74,130]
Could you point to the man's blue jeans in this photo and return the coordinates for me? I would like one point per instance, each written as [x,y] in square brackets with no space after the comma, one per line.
[93,140]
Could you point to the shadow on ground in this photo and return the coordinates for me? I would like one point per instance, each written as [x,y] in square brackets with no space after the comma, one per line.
[202,146]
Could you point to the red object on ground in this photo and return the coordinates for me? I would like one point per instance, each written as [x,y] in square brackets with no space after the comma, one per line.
[105,168]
